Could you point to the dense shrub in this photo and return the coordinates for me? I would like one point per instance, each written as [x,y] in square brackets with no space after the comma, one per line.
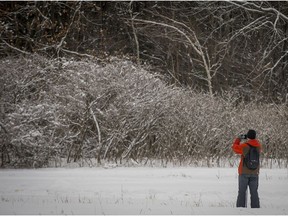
[83,109]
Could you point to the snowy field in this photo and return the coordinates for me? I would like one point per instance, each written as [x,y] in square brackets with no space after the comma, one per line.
[136,190]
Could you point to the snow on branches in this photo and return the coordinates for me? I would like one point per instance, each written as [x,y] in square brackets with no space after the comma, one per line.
[116,110]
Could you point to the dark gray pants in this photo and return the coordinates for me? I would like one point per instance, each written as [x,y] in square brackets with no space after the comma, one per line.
[251,181]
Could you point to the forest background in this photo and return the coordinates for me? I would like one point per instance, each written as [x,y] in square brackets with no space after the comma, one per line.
[139,81]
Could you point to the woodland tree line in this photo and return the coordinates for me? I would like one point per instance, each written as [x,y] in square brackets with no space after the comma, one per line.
[205,45]
[174,81]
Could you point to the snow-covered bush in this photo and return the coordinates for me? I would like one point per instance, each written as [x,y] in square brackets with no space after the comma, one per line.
[82,109]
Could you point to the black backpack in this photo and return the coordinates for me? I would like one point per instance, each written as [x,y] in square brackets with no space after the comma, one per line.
[251,159]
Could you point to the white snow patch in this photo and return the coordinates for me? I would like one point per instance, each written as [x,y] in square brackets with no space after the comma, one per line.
[137,190]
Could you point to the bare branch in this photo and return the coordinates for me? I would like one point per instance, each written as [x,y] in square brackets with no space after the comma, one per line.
[15,48]
[58,46]
[199,50]
[79,54]
[265,9]
[173,27]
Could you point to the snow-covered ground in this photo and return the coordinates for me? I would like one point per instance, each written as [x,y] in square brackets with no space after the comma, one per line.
[136,190]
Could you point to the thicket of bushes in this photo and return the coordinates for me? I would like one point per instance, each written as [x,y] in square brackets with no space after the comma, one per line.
[114,111]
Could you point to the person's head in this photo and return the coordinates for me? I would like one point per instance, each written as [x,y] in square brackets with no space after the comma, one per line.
[251,134]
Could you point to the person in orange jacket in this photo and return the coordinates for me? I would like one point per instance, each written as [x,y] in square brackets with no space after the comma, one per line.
[247,177]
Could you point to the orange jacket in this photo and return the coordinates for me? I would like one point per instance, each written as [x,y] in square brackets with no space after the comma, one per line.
[242,149]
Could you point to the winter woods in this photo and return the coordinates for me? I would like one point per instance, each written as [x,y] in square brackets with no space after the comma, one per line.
[195,75]
[212,46]
[83,110]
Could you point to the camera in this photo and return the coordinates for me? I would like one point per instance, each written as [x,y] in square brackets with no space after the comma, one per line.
[243,136]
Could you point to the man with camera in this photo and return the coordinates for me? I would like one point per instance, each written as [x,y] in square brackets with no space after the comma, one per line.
[248,169]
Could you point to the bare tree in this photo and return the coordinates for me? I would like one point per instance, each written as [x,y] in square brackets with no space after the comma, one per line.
[193,41]
[224,40]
